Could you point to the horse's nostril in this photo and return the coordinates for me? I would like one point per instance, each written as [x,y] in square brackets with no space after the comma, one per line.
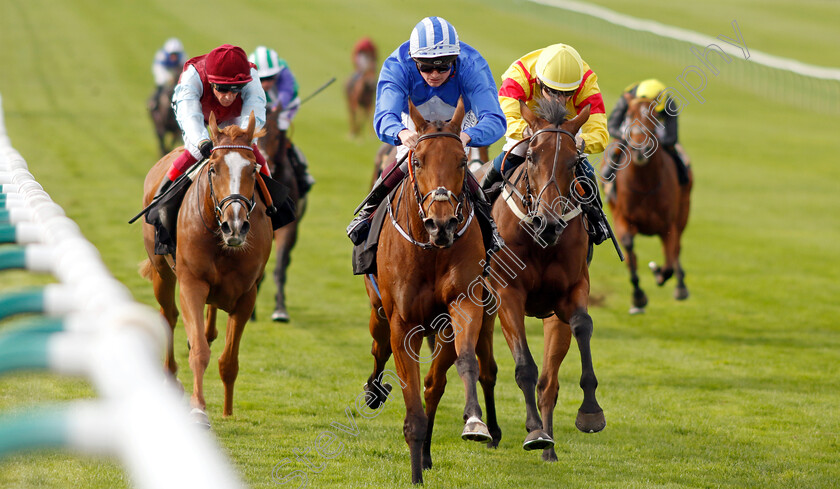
[225,228]
[429,224]
[452,224]
[245,227]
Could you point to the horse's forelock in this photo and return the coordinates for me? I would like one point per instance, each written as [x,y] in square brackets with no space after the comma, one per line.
[552,110]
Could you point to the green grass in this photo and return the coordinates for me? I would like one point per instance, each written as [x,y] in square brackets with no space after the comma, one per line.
[736,387]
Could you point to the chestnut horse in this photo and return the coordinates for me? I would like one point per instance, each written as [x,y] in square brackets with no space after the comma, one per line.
[163,118]
[224,240]
[543,271]
[649,200]
[429,260]
[275,145]
[360,90]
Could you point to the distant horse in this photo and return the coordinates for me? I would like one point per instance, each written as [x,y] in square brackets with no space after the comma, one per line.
[428,261]
[163,118]
[543,271]
[275,145]
[360,90]
[649,200]
[224,241]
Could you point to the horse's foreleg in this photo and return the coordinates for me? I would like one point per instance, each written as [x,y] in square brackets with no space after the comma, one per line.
[512,317]
[229,359]
[285,238]
[487,371]
[415,424]
[590,418]
[466,337]
[671,250]
[164,288]
[193,296]
[558,337]
[626,236]
[435,384]
[378,392]
[210,331]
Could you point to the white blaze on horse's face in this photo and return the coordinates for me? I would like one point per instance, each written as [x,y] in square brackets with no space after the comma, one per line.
[236,164]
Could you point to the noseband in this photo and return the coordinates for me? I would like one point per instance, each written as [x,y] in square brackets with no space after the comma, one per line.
[440,194]
[219,206]
[531,203]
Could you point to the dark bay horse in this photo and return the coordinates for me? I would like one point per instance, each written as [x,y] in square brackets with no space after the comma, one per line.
[543,271]
[360,90]
[429,261]
[649,200]
[275,146]
[224,240]
[163,118]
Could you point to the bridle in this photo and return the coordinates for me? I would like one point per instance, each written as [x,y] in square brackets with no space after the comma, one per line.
[529,202]
[440,194]
[219,206]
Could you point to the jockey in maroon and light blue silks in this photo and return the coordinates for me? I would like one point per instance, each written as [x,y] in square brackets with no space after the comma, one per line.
[222,82]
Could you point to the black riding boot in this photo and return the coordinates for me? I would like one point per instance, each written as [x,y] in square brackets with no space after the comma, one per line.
[598,226]
[359,227]
[493,241]
[304,179]
[164,215]
[682,170]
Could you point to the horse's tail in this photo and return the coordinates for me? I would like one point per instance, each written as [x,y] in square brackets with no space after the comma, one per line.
[145,269]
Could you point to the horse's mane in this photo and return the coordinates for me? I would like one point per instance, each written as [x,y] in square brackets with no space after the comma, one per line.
[552,110]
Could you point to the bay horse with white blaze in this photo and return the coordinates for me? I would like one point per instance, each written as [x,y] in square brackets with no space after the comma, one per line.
[430,255]
[224,240]
[649,200]
[539,217]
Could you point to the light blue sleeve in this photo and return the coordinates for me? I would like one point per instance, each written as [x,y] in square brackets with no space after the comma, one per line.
[187,102]
[253,98]
[480,89]
[391,101]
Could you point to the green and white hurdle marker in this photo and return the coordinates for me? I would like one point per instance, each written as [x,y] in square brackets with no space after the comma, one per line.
[89,325]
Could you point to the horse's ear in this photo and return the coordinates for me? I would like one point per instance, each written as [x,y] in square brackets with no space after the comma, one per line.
[528,115]
[419,121]
[252,123]
[457,117]
[214,129]
[580,119]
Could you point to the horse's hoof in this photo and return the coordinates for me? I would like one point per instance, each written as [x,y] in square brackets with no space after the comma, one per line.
[376,398]
[681,293]
[200,418]
[538,440]
[280,316]
[476,430]
[590,422]
[637,310]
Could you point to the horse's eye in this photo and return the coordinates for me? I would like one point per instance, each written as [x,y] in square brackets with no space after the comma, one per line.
[463,162]
[212,170]
[529,156]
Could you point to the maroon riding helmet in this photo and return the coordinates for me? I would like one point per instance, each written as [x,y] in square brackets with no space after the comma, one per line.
[228,65]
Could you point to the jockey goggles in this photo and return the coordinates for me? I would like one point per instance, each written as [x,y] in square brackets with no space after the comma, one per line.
[228,88]
[565,93]
[427,68]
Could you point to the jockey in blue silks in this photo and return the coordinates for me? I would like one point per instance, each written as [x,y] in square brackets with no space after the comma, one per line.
[433,69]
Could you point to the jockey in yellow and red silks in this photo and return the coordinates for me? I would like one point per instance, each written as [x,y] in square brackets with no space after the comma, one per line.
[557,72]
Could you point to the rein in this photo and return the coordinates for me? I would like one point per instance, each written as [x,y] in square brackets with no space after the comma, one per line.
[220,206]
[529,202]
[440,194]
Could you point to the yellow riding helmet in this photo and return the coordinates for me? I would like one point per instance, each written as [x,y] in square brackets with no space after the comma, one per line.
[559,67]
[650,89]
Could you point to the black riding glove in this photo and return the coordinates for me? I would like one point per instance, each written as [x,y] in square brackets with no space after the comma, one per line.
[206,148]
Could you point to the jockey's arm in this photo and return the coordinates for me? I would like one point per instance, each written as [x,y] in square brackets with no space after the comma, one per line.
[391,100]
[480,96]
[285,87]
[515,87]
[253,99]
[188,113]
[670,123]
[594,130]
[160,72]
[617,118]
